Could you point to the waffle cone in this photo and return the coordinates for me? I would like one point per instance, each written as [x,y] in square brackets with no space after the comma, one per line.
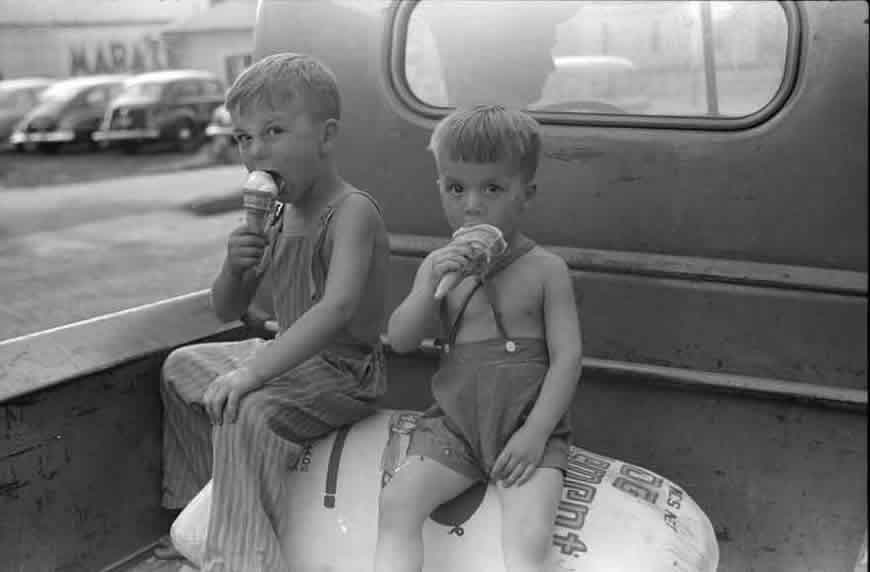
[257,200]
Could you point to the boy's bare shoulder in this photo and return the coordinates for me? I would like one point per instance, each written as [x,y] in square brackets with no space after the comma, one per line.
[542,261]
[533,271]
[359,205]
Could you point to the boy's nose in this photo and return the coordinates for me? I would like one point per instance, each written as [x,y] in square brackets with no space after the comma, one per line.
[473,202]
[256,149]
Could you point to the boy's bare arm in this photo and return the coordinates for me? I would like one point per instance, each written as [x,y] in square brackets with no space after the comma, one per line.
[565,348]
[409,322]
[356,225]
[412,318]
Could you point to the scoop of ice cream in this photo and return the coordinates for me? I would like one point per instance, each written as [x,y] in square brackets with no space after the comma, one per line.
[261,181]
[486,242]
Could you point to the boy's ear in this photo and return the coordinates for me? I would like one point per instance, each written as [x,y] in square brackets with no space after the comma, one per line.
[328,135]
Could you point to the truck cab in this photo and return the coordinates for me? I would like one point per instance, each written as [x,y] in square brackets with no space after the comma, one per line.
[712,209]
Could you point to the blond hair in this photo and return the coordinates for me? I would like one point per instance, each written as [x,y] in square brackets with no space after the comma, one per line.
[489,134]
[279,79]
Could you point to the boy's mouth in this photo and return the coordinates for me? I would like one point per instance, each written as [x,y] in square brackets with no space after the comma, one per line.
[279,180]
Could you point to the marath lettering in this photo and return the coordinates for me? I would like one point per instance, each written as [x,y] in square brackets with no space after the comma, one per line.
[118,56]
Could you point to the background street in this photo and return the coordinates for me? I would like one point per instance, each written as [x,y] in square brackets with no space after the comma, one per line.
[76,251]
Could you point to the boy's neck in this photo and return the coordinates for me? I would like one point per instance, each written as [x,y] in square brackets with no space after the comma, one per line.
[512,238]
[326,187]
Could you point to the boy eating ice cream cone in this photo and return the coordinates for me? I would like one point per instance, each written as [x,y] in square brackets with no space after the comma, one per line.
[512,357]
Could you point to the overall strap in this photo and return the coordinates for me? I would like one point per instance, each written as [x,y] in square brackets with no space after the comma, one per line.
[274,227]
[317,270]
[454,327]
[277,219]
[332,207]
[520,247]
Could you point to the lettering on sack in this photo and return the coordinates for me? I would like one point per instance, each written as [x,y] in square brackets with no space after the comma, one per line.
[304,462]
[584,472]
[675,502]
[638,482]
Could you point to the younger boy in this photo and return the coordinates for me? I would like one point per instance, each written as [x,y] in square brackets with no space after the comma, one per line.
[327,254]
[512,359]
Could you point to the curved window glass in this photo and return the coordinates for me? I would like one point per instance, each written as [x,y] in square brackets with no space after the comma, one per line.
[683,59]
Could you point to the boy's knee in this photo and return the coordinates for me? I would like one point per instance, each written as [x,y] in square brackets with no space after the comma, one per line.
[173,362]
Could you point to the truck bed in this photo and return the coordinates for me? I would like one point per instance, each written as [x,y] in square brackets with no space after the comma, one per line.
[152,564]
[145,561]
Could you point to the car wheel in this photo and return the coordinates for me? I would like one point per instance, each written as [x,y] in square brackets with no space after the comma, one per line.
[84,138]
[49,148]
[187,137]
[129,147]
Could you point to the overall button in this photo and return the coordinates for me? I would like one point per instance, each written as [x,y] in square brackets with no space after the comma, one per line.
[510,346]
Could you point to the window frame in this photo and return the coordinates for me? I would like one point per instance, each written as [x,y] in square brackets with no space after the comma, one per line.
[396,35]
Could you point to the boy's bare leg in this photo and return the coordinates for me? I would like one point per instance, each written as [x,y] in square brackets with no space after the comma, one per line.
[417,488]
[528,514]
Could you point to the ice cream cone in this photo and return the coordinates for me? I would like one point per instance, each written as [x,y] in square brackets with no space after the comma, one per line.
[258,198]
[486,242]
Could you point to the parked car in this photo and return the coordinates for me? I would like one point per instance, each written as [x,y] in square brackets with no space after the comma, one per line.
[222,145]
[170,105]
[17,97]
[70,111]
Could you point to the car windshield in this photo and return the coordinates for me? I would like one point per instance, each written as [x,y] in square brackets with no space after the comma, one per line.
[143,89]
[8,98]
[61,92]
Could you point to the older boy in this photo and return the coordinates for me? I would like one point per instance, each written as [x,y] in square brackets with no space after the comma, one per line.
[512,359]
[260,401]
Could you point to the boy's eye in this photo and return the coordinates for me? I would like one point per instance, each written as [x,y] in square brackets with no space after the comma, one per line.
[454,188]
[493,189]
[274,130]
[241,138]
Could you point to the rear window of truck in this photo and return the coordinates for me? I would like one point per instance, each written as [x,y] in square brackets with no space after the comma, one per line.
[703,64]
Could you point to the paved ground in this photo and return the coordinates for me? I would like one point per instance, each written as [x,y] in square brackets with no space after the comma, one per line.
[113,239]
[80,164]
[72,252]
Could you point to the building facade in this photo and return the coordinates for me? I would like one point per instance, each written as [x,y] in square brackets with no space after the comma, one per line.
[219,39]
[66,38]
